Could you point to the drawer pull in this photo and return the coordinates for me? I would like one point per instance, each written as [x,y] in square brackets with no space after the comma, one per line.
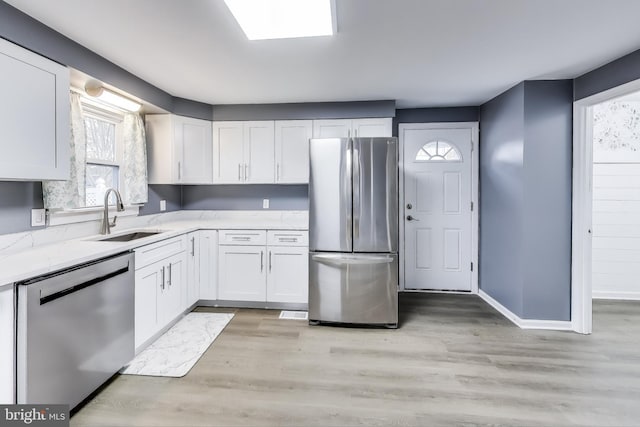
[288,239]
[240,239]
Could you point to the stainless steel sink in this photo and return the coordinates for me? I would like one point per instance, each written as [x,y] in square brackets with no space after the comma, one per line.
[129,236]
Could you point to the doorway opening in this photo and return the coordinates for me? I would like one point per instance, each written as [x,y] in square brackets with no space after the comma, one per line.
[606,203]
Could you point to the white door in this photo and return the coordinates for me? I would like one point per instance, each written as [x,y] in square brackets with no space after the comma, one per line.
[292,151]
[437,208]
[366,128]
[259,152]
[228,156]
[288,274]
[208,264]
[171,301]
[242,273]
[338,128]
[148,286]
[191,291]
[193,139]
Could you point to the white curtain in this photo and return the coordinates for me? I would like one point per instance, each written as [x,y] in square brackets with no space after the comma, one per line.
[70,194]
[134,165]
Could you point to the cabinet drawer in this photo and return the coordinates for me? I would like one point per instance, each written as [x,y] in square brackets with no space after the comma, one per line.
[287,238]
[243,237]
[149,254]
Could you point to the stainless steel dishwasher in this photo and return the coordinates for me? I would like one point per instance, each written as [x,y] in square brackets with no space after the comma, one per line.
[74,330]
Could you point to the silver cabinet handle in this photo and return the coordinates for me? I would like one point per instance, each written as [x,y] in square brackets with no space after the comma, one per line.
[269,261]
[169,275]
[348,133]
[277,171]
[355,133]
[193,246]
[246,171]
[240,239]
[261,261]
[288,239]
[179,171]
[239,172]
[162,283]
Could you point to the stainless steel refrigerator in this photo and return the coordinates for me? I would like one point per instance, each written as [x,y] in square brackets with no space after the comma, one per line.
[353,231]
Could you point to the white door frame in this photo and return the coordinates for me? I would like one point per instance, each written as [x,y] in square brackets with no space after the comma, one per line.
[582,209]
[473,126]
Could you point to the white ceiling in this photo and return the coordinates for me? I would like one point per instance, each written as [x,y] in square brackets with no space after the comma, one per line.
[422,53]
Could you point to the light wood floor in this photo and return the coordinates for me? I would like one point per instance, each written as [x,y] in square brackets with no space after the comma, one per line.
[454,360]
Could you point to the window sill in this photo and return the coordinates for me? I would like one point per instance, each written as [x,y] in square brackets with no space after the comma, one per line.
[73,216]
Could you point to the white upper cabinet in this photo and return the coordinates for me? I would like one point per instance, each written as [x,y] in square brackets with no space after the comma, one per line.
[179,150]
[345,128]
[34,116]
[243,152]
[292,151]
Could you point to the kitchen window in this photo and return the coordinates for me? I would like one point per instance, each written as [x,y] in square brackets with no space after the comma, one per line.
[104,152]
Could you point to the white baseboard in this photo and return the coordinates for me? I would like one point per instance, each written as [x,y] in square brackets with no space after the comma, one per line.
[554,325]
[632,295]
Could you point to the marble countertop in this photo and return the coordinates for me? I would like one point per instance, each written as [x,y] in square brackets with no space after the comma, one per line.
[35,261]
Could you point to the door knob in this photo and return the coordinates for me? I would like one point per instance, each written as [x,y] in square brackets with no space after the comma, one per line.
[410,218]
[409,205]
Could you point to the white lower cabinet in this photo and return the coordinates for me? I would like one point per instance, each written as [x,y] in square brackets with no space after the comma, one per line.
[208,264]
[288,274]
[268,266]
[241,273]
[161,276]
[7,346]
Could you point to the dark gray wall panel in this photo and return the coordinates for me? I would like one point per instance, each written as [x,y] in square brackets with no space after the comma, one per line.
[16,201]
[615,73]
[245,197]
[435,115]
[548,121]
[171,193]
[300,111]
[188,108]
[502,198]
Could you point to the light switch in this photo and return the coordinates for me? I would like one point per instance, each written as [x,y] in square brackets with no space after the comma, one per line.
[38,217]
[265,203]
[163,205]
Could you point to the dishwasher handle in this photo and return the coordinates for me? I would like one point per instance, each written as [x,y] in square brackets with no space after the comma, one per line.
[78,287]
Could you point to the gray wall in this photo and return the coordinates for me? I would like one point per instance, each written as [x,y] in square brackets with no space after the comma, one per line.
[525,199]
[245,197]
[16,201]
[310,110]
[435,115]
[502,198]
[615,73]
[171,193]
[548,118]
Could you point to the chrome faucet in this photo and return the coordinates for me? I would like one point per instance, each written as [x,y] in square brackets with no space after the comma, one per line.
[106,225]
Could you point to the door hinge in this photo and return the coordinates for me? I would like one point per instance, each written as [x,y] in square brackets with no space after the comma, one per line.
[471,266]
[471,206]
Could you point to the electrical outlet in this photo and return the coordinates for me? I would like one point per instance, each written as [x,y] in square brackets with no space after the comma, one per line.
[265,203]
[38,217]
[163,205]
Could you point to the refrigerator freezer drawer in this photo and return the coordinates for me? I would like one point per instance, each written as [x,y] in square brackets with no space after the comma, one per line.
[353,288]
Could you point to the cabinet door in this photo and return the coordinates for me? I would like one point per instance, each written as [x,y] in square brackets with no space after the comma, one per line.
[148,286]
[338,128]
[208,264]
[371,127]
[171,300]
[192,289]
[292,151]
[194,151]
[228,152]
[34,106]
[241,273]
[259,152]
[288,274]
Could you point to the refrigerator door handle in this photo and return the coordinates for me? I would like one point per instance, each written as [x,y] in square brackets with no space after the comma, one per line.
[347,195]
[356,190]
[346,260]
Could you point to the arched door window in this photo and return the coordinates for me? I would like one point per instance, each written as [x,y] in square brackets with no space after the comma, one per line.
[438,151]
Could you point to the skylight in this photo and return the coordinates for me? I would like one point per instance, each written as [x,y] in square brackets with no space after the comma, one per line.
[281,19]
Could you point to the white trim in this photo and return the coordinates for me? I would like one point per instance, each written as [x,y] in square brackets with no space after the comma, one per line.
[73,216]
[475,177]
[581,287]
[617,295]
[554,325]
